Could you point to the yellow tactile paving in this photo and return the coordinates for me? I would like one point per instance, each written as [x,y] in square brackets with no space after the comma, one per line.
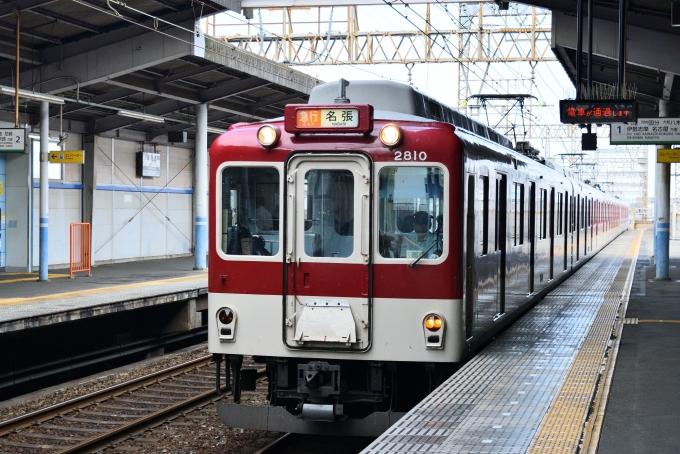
[562,428]
[18,301]
[32,277]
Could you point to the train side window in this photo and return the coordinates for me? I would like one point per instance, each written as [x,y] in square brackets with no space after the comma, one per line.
[250,211]
[484,195]
[544,215]
[517,214]
[583,214]
[560,198]
[411,212]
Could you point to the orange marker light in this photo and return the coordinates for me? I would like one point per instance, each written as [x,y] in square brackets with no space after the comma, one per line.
[433,322]
[226,316]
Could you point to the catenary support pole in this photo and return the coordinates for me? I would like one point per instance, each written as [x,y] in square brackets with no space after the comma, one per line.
[44,186]
[201,188]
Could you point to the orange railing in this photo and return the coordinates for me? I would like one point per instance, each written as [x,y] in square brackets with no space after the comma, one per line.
[80,247]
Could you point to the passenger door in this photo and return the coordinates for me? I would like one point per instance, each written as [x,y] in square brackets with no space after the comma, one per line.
[327,252]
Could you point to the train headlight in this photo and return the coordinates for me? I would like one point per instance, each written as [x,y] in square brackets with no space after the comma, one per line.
[268,135]
[391,135]
[226,324]
[434,327]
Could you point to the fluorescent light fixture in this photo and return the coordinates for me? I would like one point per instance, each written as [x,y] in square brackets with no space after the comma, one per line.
[141,116]
[32,95]
[216,130]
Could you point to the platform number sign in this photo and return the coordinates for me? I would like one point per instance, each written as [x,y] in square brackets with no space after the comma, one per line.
[12,140]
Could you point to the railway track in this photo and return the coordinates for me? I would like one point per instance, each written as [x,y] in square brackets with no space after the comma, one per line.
[291,443]
[108,416]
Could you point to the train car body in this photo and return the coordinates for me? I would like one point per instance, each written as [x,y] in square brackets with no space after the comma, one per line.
[363,250]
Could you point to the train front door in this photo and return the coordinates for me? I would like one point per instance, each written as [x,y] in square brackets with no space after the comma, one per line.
[327,302]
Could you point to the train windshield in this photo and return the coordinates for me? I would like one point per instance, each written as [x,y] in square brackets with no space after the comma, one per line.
[411,212]
[250,211]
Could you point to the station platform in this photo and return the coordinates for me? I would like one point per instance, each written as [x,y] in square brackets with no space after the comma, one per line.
[27,303]
[552,382]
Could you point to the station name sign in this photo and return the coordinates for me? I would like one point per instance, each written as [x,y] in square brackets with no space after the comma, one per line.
[13,140]
[342,118]
[646,131]
[583,111]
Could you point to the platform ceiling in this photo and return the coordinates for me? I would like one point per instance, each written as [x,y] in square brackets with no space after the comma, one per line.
[653,46]
[144,56]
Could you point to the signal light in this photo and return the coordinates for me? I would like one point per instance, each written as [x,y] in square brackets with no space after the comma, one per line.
[391,135]
[268,135]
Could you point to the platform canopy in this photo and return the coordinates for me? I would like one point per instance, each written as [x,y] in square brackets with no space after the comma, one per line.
[652,46]
[148,57]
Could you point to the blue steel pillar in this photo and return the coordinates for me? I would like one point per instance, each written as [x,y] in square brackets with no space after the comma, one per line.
[662,204]
[201,187]
[44,185]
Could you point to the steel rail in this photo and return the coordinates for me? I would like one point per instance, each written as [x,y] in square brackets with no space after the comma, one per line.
[279,445]
[11,425]
[124,432]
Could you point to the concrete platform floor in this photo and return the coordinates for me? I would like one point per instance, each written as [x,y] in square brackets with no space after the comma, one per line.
[26,285]
[643,412]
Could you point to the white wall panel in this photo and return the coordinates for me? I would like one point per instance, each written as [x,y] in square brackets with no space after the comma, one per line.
[103,225]
[65,200]
[122,196]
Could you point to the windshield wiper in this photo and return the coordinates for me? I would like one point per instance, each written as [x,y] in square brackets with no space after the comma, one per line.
[422,254]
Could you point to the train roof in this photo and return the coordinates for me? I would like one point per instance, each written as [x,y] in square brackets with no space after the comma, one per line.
[394,100]
[401,98]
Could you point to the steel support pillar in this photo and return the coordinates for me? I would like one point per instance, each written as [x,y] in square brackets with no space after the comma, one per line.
[44,186]
[201,188]
[662,198]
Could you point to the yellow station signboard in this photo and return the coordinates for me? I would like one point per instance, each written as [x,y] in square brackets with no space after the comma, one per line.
[668,155]
[68,157]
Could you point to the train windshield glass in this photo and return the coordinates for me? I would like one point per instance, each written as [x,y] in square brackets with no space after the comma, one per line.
[411,212]
[329,213]
[250,211]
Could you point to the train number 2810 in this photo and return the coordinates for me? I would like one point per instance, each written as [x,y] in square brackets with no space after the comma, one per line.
[410,156]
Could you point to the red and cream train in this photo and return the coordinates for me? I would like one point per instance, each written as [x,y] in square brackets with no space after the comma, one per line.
[368,242]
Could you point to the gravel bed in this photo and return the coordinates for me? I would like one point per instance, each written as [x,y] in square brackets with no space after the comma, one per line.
[57,394]
[201,431]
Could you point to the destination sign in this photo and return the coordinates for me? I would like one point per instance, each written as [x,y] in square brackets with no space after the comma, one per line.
[327,118]
[12,140]
[584,111]
[647,131]
[67,157]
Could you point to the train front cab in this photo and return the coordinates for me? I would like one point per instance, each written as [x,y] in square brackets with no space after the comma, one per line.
[362,320]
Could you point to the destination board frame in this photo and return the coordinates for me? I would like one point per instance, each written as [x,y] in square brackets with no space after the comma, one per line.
[13,140]
[646,131]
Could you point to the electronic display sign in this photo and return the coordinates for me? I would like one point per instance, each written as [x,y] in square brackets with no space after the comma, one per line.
[584,111]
